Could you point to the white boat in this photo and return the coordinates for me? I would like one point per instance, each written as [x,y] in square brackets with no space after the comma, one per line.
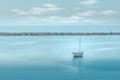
[79,53]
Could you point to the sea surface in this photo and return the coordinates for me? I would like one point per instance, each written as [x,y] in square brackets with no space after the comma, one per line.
[50,57]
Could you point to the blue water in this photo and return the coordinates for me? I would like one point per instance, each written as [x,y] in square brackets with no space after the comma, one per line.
[50,58]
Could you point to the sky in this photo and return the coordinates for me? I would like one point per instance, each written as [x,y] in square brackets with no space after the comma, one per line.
[83,12]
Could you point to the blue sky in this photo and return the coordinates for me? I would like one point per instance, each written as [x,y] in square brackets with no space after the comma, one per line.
[90,12]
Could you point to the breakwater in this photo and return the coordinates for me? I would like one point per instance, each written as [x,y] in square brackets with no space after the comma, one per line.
[56,33]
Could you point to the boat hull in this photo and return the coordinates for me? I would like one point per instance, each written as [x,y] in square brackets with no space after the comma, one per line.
[77,54]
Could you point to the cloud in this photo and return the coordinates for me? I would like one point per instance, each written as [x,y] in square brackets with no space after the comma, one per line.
[18,11]
[80,17]
[86,13]
[49,5]
[69,19]
[89,2]
[55,17]
[74,17]
[46,8]
[107,12]
[91,21]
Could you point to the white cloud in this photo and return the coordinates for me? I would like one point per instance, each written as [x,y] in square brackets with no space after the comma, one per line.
[107,12]
[88,21]
[73,17]
[76,17]
[49,5]
[46,8]
[55,17]
[69,19]
[87,13]
[91,21]
[18,11]
[89,2]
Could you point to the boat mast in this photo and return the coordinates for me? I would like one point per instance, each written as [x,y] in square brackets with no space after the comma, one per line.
[79,44]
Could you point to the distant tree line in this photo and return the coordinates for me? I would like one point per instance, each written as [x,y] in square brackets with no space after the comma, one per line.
[56,33]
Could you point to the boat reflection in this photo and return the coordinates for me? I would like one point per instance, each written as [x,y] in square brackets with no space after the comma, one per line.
[78,63]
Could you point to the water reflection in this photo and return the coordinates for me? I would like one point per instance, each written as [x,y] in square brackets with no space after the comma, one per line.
[78,63]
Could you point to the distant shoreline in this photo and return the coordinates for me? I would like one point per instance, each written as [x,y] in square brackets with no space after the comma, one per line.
[56,33]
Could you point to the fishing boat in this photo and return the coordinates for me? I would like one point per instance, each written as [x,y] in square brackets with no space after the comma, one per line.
[78,53]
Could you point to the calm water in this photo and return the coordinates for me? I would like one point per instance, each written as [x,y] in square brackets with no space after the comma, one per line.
[50,58]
